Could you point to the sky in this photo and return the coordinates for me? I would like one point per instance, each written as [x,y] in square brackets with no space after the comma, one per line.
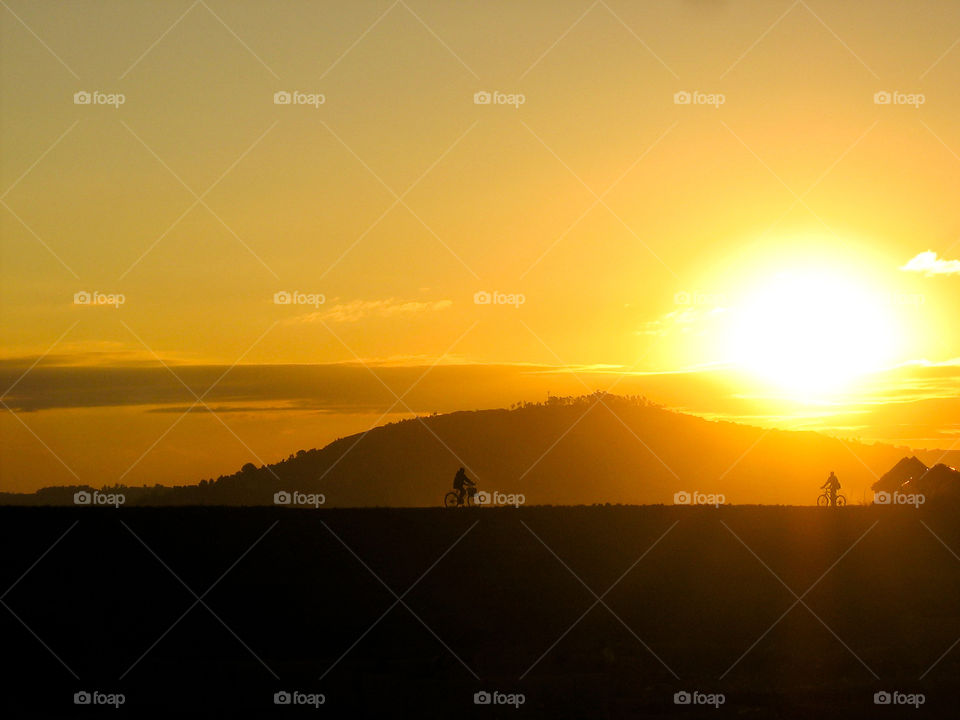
[744,210]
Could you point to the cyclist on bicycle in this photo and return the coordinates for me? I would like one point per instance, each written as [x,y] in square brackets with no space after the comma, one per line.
[831,486]
[460,483]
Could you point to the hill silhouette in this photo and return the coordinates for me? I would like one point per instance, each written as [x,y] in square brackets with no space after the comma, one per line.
[911,475]
[578,450]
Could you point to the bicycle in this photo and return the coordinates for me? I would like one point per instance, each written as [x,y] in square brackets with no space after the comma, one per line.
[825,501]
[455,499]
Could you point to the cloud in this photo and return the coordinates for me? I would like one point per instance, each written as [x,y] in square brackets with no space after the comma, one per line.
[929,264]
[335,387]
[356,310]
[685,321]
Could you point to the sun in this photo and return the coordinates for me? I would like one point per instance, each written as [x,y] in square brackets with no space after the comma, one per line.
[811,332]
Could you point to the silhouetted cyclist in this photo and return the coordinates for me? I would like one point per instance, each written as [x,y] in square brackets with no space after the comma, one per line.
[831,486]
[461,482]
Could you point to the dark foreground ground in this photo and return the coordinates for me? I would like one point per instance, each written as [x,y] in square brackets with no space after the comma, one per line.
[409,613]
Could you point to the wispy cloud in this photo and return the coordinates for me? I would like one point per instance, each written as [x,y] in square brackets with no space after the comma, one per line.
[356,310]
[686,320]
[929,264]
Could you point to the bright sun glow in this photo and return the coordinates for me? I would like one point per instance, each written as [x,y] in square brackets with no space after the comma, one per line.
[811,332]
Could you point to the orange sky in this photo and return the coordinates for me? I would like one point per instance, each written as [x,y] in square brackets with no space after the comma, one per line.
[626,238]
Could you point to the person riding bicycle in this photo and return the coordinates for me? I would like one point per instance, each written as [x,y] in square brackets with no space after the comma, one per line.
[831,486]
[460,483]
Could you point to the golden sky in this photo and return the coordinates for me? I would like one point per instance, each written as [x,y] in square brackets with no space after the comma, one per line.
[745,210]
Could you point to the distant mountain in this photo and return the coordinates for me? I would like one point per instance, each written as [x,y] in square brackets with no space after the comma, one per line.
[585,450]
[910,475]
[904,471]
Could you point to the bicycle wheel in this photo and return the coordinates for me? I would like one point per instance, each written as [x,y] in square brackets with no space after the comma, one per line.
[823,500]
[841,501]
[451,499]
